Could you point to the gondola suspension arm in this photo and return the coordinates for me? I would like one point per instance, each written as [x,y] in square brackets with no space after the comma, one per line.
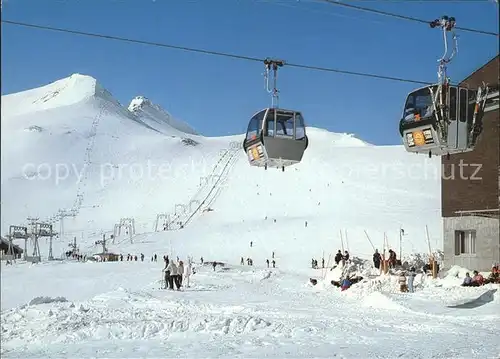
[274,65]
[447,24]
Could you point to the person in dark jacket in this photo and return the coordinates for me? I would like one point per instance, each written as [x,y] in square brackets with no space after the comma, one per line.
[377,258]
[338,257]
[392,258]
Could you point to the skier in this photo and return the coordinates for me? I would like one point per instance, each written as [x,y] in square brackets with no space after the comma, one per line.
[267,262]
[155,258]
[251,244]
[273,254]
[242,262]
[322,262]
[274,264]
[201,260]
[214,264]
[180,272]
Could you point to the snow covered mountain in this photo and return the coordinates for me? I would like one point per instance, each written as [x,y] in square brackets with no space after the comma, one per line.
[70,146]
[71,141]
[156,117]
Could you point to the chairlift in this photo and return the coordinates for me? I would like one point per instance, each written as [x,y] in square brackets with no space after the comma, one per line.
[275,137]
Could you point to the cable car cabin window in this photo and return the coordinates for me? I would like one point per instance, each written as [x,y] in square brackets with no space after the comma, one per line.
[418,102]
[254,126]
[453,103]
[300,129]
[463,105]
[472,105]
[284,124]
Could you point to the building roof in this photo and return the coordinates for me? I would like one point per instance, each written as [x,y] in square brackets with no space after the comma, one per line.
[5,242]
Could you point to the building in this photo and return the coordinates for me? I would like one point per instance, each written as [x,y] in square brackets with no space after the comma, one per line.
[470,191]
[4,248]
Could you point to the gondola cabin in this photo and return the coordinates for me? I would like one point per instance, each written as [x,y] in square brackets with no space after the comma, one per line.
[275,138]
[439,120]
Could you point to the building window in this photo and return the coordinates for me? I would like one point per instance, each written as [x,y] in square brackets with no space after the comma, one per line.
[465,242]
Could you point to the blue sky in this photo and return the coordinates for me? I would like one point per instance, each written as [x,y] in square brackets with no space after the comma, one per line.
[218,95]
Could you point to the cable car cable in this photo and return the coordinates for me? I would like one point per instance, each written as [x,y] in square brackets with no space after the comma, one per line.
[210,52]
[403,17]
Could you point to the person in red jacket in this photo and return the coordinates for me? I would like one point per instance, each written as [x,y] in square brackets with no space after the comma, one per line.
[478,279]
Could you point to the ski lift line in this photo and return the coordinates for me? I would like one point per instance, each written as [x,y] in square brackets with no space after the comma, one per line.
[210,52]
[212,189]
[403,17]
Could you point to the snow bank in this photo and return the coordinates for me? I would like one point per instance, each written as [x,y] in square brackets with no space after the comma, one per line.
[419,260]
[378,300]
[123,315]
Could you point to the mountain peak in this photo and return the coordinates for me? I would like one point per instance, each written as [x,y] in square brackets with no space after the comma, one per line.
[66,91]
[138,102]
[156,117]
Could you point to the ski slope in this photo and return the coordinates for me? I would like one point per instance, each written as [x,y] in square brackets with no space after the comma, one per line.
[115,310]
[71,146]
[72,137]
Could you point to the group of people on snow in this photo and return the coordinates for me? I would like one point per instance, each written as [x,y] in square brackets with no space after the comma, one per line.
[175,273]
[346,282]
[391,261]
[314,263]
[79,257]
[339,257]
[131,257]
[249,261]
[273,262]
[406,280]
[478,280]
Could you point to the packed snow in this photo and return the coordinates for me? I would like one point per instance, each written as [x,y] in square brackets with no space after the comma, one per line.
[71,146]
